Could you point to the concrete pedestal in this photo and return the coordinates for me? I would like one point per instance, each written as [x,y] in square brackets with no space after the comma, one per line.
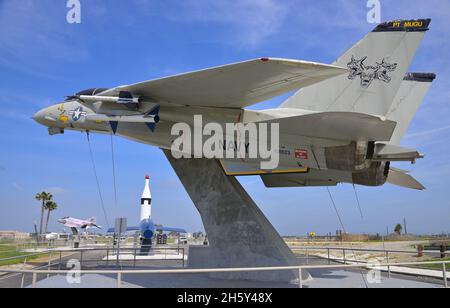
[239,234]
[146,246]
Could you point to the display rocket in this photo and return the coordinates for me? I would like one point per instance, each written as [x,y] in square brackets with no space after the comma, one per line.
[147,227]
[146,224]
[146,201]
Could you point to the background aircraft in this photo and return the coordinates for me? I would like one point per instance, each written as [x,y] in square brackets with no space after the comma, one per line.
[79,223]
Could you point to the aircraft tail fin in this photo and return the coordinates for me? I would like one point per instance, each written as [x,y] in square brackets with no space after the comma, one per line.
[402,178]
[410,96]
[377,65]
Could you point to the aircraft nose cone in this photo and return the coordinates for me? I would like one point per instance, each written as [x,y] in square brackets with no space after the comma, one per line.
[46,117]
[39,117]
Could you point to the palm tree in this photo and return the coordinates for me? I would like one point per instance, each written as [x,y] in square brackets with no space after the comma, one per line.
[398,229]
[50,206]
[44,197]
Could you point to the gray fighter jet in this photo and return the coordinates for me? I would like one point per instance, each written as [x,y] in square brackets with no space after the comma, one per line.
[345,125]
[71,222]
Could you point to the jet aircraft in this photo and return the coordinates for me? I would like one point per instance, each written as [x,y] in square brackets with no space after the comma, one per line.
[75,223]
[345,125]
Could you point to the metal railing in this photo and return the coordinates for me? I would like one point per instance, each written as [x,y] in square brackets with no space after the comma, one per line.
[55,255]
[120,273]
[109,253]
[345,252]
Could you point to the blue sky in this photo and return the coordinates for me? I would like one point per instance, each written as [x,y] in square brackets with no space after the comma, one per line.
[43,59]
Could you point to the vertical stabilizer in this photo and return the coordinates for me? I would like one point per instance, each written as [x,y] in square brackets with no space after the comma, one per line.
[377,65]
[412,92]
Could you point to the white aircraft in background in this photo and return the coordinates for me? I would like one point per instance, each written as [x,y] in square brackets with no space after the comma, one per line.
[75,223]
[51,236]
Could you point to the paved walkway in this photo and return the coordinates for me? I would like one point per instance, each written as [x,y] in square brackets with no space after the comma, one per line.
[321,279]
[394,269]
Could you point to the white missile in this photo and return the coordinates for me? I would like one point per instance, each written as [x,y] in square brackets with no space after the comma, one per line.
[123,98]
[146,201]
[127,119]
[110,99]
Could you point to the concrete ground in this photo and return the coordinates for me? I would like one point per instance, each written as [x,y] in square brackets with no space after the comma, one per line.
[321,279]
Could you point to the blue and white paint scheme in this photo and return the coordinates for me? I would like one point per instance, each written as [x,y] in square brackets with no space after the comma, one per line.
[147,227]
[77,114]
[146,224]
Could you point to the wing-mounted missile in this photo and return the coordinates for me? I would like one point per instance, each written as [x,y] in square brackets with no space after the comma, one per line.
[123,98]
[150,118]
[116,107]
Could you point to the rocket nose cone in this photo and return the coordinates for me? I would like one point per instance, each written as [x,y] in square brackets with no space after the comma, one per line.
[147,177]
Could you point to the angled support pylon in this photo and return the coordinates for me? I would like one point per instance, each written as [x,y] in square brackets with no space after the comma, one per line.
[238,232]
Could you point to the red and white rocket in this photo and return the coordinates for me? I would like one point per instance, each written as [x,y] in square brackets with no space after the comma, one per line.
[146,201]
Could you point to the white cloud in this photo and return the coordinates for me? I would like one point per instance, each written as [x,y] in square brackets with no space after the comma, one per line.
[17,186]
[251,21]
[248,23]
[56,191]
[429,132]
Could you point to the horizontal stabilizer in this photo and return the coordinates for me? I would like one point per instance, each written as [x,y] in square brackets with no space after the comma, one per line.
[401,178]
[388,152]
[345,126]
[233,86]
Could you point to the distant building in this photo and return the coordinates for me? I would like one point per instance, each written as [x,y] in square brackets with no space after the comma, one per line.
[14,235]
[198,235]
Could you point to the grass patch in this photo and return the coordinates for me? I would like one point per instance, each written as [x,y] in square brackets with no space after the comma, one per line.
[10,252]
[437,267]
[5,241]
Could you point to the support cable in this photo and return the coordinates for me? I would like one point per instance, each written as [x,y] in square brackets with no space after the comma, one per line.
[96,179]
[336,210]
[345,232]
[358,202]
[114,170]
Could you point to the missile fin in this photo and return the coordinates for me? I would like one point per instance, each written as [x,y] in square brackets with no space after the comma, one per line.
[114,126]
[154,111]
[151,126]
